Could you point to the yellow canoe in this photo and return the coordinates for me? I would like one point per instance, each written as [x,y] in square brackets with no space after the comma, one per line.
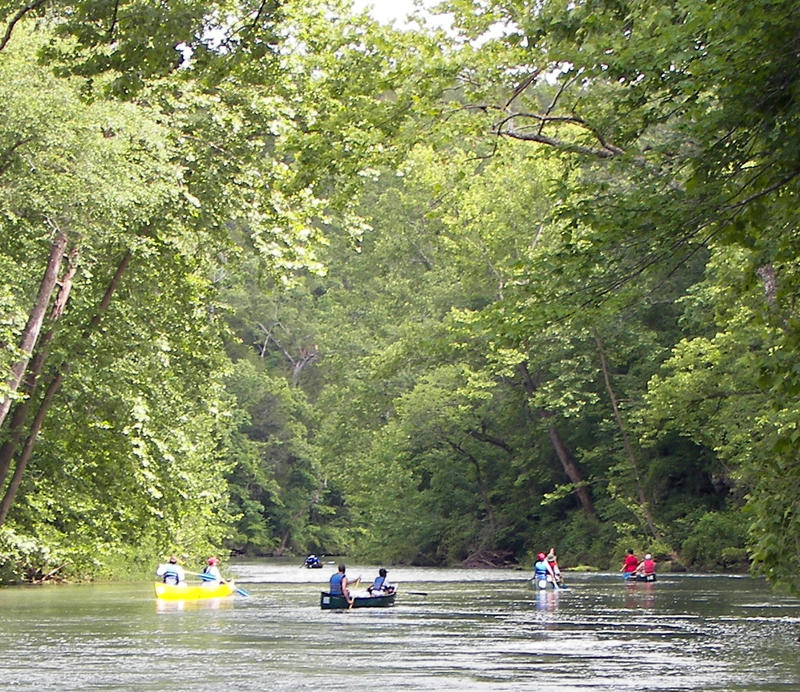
[184,592]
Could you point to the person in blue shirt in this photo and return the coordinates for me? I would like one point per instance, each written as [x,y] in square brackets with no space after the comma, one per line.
[380,587]
[312,561]
[543,572]
[338,585]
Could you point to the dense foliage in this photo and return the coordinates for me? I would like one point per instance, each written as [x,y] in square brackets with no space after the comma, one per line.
[316,284]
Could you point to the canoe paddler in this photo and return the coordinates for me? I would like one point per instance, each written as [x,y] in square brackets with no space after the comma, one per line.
[380,587]
[214,577]
[646,569]
[171,572]
[554,568]
[543,572]
[338,584]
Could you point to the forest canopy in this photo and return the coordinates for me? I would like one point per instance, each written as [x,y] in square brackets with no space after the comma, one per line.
[281,279]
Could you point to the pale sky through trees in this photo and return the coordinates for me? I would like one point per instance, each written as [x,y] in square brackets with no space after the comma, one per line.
[397,10]
[386,10]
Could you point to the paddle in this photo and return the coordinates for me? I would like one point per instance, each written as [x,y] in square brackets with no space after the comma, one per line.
[416,593]
[211,577]
[355,585]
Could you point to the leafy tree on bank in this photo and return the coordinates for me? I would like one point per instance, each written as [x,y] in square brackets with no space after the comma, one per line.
[682,125]
[130,204]
[122,356]
[234,132]
[440,285]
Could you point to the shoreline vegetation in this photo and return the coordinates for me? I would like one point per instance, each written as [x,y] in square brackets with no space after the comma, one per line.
[137,574]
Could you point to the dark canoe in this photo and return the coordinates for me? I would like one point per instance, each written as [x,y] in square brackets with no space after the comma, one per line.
[328,602]
[641,577]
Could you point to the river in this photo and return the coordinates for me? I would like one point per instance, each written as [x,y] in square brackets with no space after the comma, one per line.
[461,630]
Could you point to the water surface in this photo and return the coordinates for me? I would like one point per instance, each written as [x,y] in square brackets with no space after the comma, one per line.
[474,629]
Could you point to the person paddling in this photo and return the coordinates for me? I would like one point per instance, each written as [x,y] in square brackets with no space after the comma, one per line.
[171,572]
[338,585]
[629,565]
[554,568]
[646,569]
[211,570]
[312,561]
[380,587]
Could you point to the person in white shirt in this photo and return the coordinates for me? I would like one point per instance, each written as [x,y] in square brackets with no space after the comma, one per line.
[171,572]
[212,570]
[380,587]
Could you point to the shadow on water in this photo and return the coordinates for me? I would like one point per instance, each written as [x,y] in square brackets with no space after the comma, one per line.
[474,629]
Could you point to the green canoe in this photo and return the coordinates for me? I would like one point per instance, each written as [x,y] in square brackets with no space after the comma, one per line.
[329,602]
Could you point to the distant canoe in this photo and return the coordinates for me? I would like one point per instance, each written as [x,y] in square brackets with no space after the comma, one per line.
[172,592]
[631,576]
[330,602]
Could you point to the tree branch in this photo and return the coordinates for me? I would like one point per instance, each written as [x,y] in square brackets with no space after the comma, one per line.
[5,160]
[114,16]
[19,15]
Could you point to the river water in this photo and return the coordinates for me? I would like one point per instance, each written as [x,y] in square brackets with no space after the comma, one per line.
[471,630]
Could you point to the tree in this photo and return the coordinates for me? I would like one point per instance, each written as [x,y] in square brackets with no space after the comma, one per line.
[680,126]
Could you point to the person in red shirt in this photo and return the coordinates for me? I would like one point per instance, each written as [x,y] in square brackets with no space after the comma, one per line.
[646,569]
[629,565]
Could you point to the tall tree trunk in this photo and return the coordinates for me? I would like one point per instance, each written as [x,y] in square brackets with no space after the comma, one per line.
[482,488]
[31,333]
[20,412]
[643,502]
[52,389]
[570,468]
[567,462]
[22,462]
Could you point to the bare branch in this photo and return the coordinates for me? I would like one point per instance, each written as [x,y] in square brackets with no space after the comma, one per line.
[269,337]
[767,190]
[606,151]
[19,15]
[559,144]
[561,89]
[113,24]
[530,79]
[5,159]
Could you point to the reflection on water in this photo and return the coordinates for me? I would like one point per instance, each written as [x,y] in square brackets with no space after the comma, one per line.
[547,599]
[639,594]
[461,630]
[206,604]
